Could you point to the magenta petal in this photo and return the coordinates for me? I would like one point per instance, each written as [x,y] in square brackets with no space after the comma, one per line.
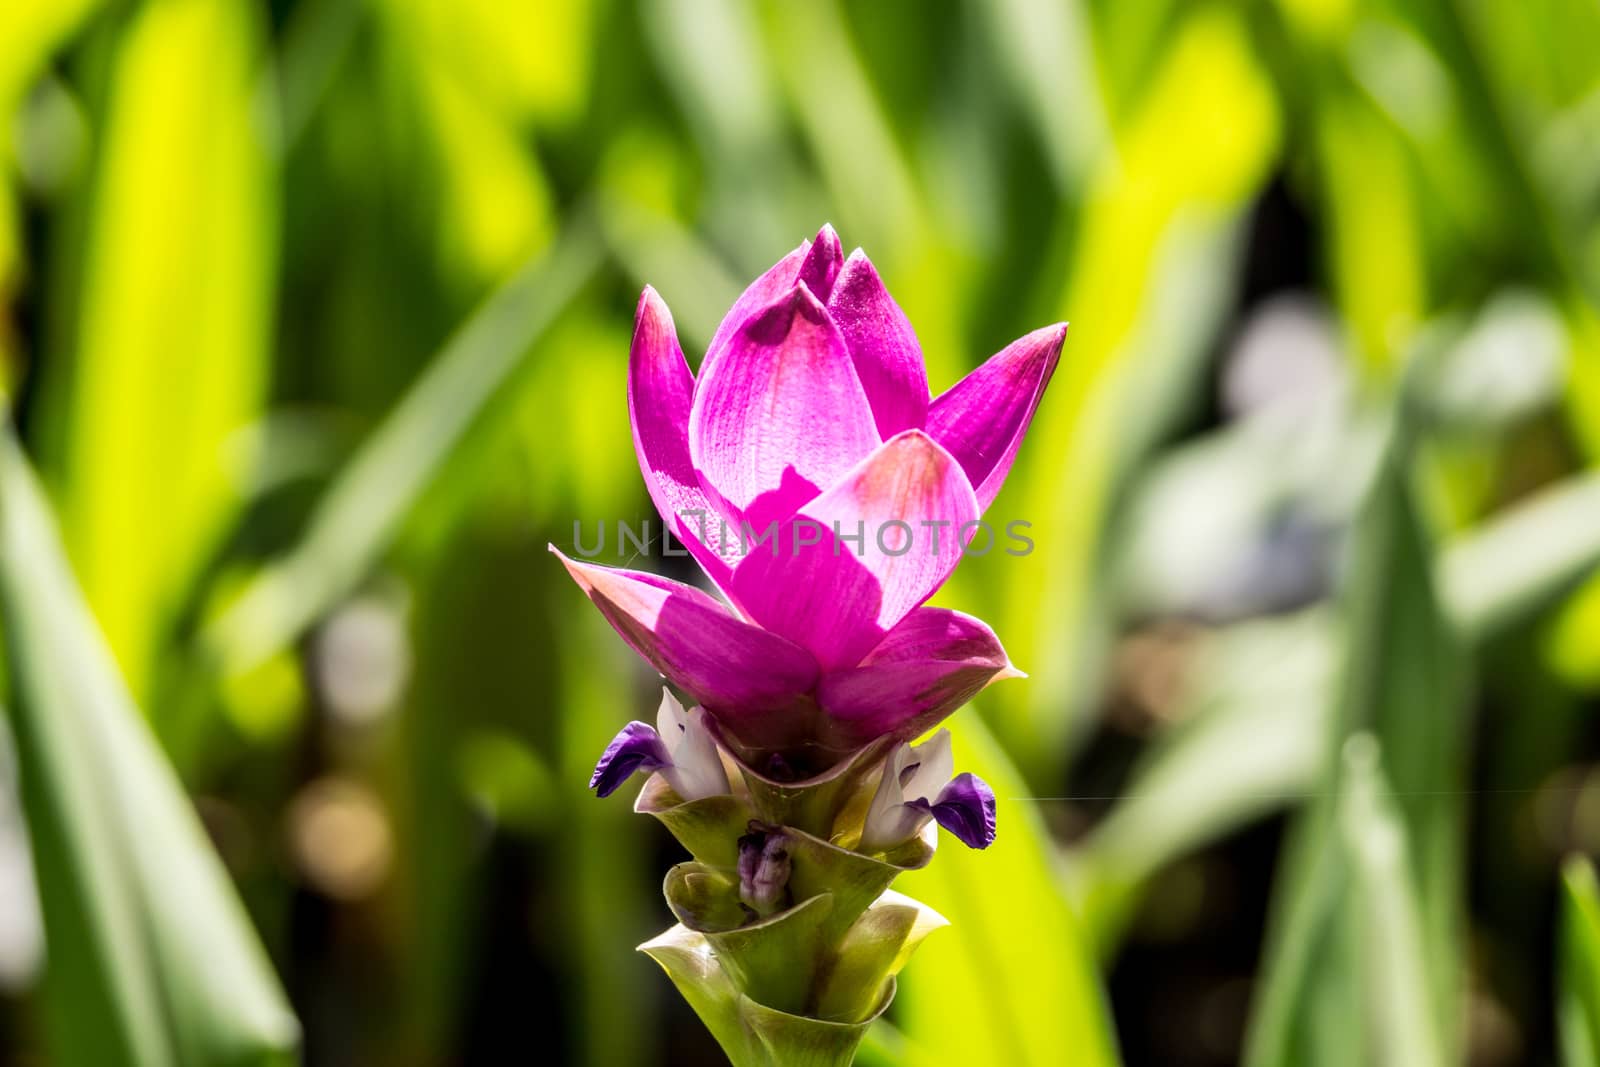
[779,279]
[983,417]
[821,265]
[925,668]
[836,596]
[737,671]
[887,357]
[660,392]
[781,414]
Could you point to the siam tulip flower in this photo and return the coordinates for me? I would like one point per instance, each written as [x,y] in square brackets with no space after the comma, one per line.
[810,423]
[826,498]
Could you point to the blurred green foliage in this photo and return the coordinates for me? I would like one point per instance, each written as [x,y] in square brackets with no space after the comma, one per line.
[314,318]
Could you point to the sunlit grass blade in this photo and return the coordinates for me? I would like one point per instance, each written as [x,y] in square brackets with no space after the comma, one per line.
[31,32]
[1261,690]
[1494,577]
[657,250]
[1375,248]
[316,39]
[175,320]
[1403,679]
[1578,999]
[829,92]
[1046,49]
[709,54]
[29,35]
[1388,924]
[1257,705]
[1151,272]
[365,505]
[870,178]
[151,957]
[709,50]
[1013,981]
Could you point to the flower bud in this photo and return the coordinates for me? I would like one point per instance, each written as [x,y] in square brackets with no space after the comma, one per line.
[764,869]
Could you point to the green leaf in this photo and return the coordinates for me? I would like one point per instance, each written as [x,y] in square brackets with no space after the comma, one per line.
[1013,981]
[175,320]
[1392,939]
[363,509]
[833,101]
[1150,280]
[1404,680]
[1045,50]
[1519,562]
[1257,704]
[1578,1002]
[32,32]
[152,960]
[1260,693]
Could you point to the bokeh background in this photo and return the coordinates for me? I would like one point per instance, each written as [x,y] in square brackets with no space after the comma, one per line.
[314,318]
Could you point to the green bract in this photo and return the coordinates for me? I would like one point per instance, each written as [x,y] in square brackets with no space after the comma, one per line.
[801,985]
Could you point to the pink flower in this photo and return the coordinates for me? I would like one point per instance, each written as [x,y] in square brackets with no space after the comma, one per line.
[810,431]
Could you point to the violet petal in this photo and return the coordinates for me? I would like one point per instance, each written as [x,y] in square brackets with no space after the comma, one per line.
[636,747]
[965,807]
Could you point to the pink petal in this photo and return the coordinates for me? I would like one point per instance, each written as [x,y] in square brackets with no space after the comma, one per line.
[660,390]
[925,668]
[838,598]
[887,357]
[778,280]
[781,414]
[821,265]
[983,417]
[815,262]
[739,672]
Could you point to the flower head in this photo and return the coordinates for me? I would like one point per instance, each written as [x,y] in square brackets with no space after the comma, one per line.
[827,498]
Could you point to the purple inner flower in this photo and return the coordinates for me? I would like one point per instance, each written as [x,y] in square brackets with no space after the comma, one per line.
[917,785]
[965,807]
[637,747]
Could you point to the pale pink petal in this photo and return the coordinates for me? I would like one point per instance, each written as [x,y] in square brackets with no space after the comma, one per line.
[925,668]
[817,586]
[660,391]
[739,672]
[781,414]
[983,417]
[883,346]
